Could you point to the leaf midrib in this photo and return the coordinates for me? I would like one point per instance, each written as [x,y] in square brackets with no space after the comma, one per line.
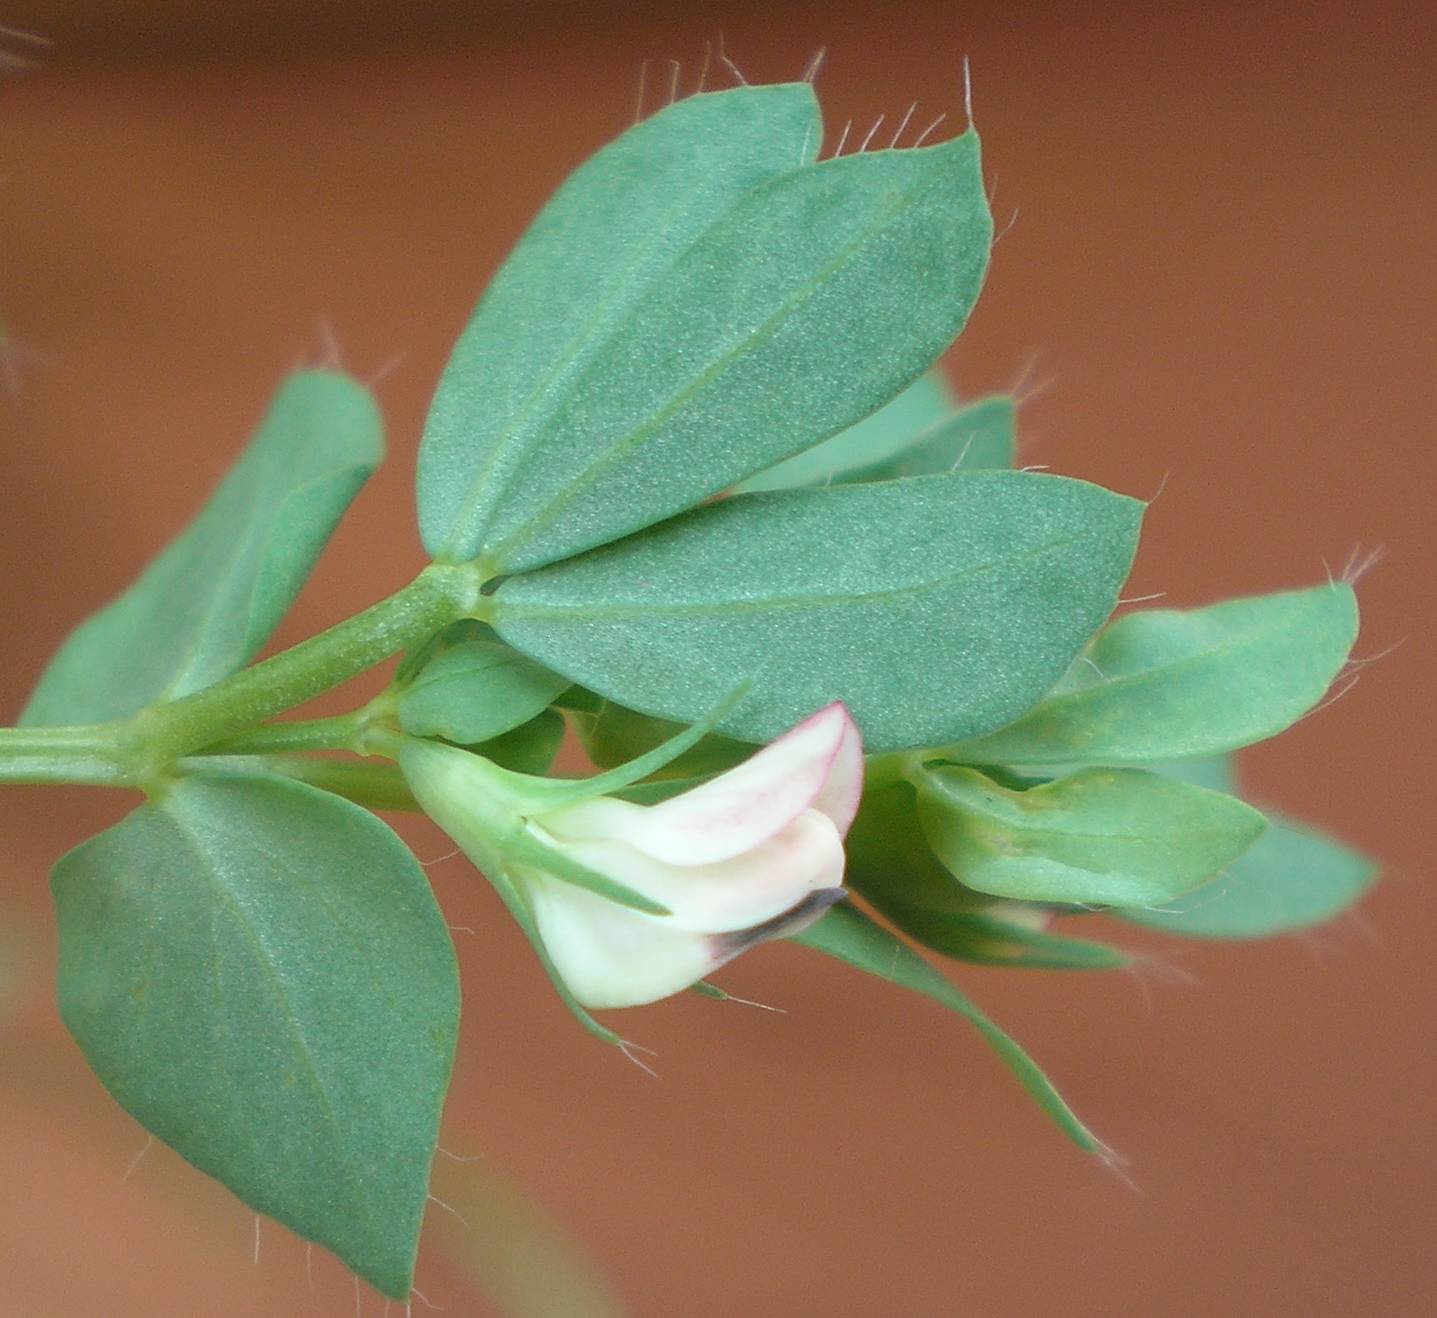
[508,612]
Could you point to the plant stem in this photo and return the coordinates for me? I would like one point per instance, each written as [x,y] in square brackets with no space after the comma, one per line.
[436,597]
[316,734]
[377,786]
[84,755]
[139,751]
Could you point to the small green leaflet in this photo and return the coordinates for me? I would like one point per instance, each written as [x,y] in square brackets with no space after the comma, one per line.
[890,861]
[918,434]
[979,437]
[612,735]
[754,343]
[893,427]
[936,607]
[848,935]
[1291,878]
[529,748]
[259,974]
[1108,837]
[475,688]
[1164,684]
[206,605]
[608,234]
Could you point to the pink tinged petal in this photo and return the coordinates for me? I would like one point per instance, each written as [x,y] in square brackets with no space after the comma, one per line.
[843,789]
[730,894]
[817,764]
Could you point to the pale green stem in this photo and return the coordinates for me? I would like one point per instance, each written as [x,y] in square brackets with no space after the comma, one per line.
[139,750]
[376,786]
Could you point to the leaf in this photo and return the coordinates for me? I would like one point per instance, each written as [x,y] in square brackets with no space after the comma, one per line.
[1164,684]
[524,1260]
[207,604]
[474,690]
[850,936]
[997,938]
[893,427]
[979,437]
[892,865]
[529,748]
[604,239]
[936,608]
[613,735]
[258,972]
[1292,877]
[890,861]
[814,300]
[1109,837]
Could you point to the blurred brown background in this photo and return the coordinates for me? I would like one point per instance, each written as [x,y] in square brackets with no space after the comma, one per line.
[1223,261]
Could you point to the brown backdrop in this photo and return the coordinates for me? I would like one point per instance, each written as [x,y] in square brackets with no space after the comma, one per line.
[1223,261]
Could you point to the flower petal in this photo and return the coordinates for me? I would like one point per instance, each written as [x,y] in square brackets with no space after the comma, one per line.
[819,763]
[730,894]
[610,956]
[843,788]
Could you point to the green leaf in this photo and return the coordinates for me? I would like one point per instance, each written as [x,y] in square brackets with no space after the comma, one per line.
[890,861]
[610,233]
[850,936]
[995,937]
[813,301]
[1292,877]
[979,437]
[1111,837]
[1165,684]
[207,604]
[893,427]
[613,735]
[259,974]
[475,689]
[529,748]
[937,608]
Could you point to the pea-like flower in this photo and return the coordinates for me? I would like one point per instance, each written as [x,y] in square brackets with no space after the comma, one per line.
[634,902]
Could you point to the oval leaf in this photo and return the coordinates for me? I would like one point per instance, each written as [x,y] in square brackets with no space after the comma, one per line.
[1110,837]
[815,300]
[927,605]
[206,605]
[1292,877]
[605,237]
[1164,684]
[259,974]
[474,690]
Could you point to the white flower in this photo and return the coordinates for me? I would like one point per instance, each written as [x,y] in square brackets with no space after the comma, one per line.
[754,853]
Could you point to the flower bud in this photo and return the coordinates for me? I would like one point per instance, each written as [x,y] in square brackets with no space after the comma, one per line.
[753,854]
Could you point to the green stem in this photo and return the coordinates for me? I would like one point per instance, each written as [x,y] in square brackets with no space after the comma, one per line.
[84,755]
[377,786]
[140,750]
[437,596]
[315,734]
